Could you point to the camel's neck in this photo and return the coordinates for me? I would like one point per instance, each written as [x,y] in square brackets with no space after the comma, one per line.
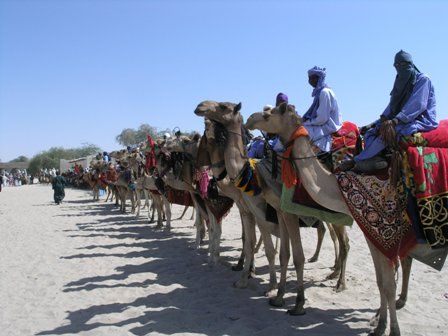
[234,153]
[318,182]
[217,164]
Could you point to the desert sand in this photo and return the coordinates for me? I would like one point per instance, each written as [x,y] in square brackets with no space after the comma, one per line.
[84,268]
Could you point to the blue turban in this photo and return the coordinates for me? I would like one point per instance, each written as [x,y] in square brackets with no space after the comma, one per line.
[281,98]
[321,73]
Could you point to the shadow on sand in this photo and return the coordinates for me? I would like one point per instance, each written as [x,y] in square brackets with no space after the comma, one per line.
[196,298]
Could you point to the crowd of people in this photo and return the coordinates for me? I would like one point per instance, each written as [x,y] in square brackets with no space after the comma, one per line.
[15,178]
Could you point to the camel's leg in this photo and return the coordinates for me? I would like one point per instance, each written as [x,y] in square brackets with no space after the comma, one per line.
[132,196]
[344,247]
[387,287]
[257,247]
[146,194]
[243,214]
[183,212]
[158,204]
[167,208]
[200,229]
[107,195]
[336,245]
[249,247]
[214,239]
[146,205]
[270,255]
[406,265]
[153,208]
[278,301]
[299,262]
[320,237]
[137,203]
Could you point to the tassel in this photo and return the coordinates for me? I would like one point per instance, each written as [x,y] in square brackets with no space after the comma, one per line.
[388,134]
[396,166]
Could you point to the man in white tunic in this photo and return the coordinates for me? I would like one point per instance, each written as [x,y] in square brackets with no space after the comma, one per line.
[322,118]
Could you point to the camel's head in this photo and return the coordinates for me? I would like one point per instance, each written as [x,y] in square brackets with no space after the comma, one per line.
[209,129]
[181,143]
[274,120]
[224,113]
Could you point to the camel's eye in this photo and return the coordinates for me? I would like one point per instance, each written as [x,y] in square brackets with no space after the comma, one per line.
[266,116]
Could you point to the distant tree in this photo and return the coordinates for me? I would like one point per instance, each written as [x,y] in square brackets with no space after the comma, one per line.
[50,158]
[21,158]
[131,137]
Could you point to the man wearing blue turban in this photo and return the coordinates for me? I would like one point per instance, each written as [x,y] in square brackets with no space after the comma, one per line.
[323,117]
[412,109]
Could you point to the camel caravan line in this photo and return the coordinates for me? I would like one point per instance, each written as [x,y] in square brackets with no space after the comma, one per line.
[283,193]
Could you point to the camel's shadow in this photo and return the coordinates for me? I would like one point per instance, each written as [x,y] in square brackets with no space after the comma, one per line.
[202,300]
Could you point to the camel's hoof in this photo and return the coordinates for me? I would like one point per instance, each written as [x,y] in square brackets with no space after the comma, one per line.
[277,302]
[313,259]
[400,303]
[395,332]
[374,320]
[296,311]
[379,329]
[333,275]
[340,287]
[240,284]
[238,267]
[151,221]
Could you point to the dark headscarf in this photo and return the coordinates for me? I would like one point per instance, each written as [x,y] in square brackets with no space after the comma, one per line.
[404,82]
[281,98]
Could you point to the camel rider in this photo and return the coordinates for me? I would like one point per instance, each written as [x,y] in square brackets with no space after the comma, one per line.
[323,117]
[412,109]
[275,142]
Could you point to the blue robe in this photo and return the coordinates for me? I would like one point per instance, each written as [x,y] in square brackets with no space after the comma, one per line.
[417,115]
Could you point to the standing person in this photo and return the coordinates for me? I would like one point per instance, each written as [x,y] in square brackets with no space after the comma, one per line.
[58,185]
[323,117]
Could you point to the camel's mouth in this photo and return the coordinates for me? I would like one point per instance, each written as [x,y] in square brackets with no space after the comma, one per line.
[253,121]
[202,109]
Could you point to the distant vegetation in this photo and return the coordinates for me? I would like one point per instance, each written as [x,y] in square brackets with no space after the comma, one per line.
[132,137]
[50,158]
[21,158]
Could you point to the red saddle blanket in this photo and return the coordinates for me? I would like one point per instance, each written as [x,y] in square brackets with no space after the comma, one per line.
[344,142]
[179,197]
[426,175]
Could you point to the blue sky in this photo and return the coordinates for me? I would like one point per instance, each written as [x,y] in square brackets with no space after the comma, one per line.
[73,72]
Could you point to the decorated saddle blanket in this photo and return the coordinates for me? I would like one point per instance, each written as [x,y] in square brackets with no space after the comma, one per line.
[426,175]
[380,211]
[219,206]
[180,197]
[247,180]
[296,200]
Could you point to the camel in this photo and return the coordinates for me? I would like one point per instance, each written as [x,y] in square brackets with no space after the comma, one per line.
[323,188]
[227,114]
[184,144]
[190,148]
[92,178]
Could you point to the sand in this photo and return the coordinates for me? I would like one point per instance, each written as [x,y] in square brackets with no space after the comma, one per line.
[84,268]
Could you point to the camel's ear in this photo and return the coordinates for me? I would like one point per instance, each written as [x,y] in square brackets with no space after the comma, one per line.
[283,107]
[237,108]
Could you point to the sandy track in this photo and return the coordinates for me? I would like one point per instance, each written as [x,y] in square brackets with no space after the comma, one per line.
[84,268]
